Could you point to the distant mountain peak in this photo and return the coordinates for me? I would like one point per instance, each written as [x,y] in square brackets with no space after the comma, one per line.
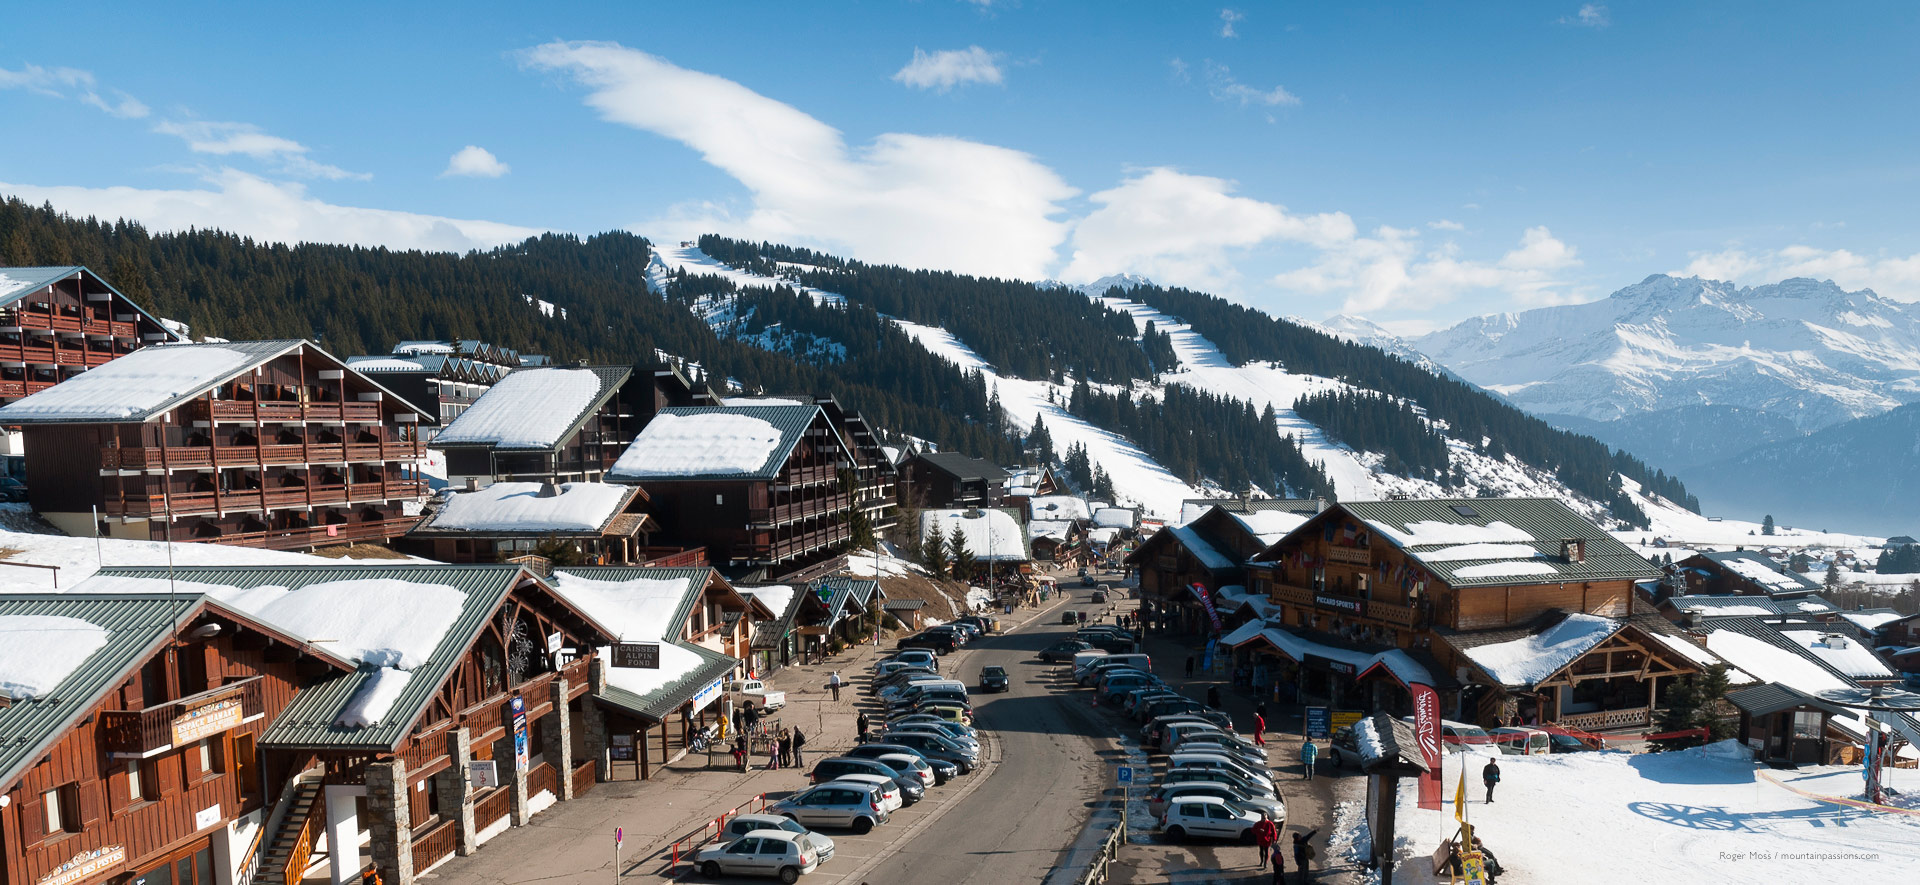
[1121,280]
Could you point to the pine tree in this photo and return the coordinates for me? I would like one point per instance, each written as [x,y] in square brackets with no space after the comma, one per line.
[1102,484]
[1695,702]
[933,550]
[862,529]
[1766,525]
[1040,439]
[963,559]
[1833,575]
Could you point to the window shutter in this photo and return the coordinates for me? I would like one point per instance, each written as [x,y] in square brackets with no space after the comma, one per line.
[89,804]
[33,821]
[116,786]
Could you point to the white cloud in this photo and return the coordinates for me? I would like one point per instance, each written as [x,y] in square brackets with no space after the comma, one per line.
[948,68]
[1229,18]
[1446,224]
[1223,87]
[246,139]
[1391,269]
[1591,15]
[71,83]
[1186,229]
[275,211]
[1178,68]
[922,201]
[474,161]
[1894,277]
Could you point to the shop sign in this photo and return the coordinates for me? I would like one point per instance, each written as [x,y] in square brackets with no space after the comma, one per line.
[1352,605]
[707,695]
[1324,663]
[1346,718]
[637,655]
[519,733]
[482,774]
[1426,734]
[212,719]
[206,817]
[86,865]
[1319,727]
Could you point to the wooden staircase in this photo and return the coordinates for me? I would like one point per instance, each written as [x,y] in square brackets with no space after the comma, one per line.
[295,825]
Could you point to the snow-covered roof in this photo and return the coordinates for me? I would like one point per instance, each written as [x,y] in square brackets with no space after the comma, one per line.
[1700,656]
[1402,665]
[1491,541]
[1762,571]
[1116,517]
[711,442]
[636,609]
[1269,525]
[1532,659]
[1504,569]
[1725,604]
[1843,653]
[374,699]
[385,364]
[776,597]
[1057,529]
[1871,620]
[1103,535]
[37,652]
[531,408]
[1209,557]
[991,534]
[1480,551]
[142,384]
[575,507]
[1059,507]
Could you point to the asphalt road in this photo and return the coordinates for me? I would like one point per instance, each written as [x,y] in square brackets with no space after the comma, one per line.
[1051,760]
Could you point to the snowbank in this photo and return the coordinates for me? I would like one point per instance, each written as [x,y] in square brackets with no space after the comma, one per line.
[528,409]
[1533,659]
[700,445]
[38,651]
[130,385]
[518,507]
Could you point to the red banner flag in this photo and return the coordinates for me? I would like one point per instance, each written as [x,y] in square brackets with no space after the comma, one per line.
[1426,732]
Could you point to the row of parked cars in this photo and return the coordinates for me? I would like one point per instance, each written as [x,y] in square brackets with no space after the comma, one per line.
[1216,784]
[927,740]
[951,636]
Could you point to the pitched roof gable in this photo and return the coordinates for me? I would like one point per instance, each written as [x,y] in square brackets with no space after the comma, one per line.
[704,443]
[534,409]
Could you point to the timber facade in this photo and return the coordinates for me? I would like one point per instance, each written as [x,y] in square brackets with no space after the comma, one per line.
[57,322]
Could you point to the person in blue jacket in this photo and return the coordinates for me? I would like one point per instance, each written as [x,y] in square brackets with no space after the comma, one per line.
[1308,755]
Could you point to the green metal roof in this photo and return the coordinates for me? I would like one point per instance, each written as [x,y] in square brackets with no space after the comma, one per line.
[660,703]
[308,721]
[842,590]
[137,626]
[1545,519]
[696,578]
[791,421]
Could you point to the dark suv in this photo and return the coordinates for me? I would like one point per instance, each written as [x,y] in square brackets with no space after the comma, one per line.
[911,788]
[942,641]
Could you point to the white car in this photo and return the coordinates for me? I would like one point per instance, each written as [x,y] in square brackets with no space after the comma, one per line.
[915,765]
[890,798]
[742,824]
[1222,762]
[1208,817]
[754,690]
[1256,758]
[777,853]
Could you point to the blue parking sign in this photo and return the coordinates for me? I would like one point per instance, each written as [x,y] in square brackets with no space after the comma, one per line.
[1126,774]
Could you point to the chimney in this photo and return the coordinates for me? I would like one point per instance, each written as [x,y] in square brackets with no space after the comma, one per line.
[1319,505]
[1573,550]
[473,483]
[549,490]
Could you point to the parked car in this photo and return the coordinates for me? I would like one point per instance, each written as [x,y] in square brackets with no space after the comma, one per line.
[893,790]
[1218,776]
[944,709]
[933,718]
[742,824]
[1100,597]
[754,690]
[777,853]
[909,764]
[986,623]
[12,490]
[1253,757]
[932,743]
[1522,741]
[944,642]
[1344,748]
[834,768]
[1258,774]
[1161,796]
[1208,817]
[851,806]
[966,744]
[1566,743]
[1063,651]
[1459,737]
[994,679]
[1169,705]
[919,656]
[943,769]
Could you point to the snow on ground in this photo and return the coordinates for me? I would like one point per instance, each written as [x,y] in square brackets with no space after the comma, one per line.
[38,651]
[991,535]
[1204,367]
[1686,529]
[670,258]
[79,558]
[1136,476]
[861,563]
[1688,818]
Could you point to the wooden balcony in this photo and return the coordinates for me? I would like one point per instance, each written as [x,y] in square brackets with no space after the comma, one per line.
[1344,605]
[1605,720]
[189,719]
[671,557]
[278,498]
[433,843]
[798,544]
[806,476]
[280,454]
[786,513]
[274,410]
[318,536]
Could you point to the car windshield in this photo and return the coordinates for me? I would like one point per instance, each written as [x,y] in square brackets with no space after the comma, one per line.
[791,825]
[994,671]
[1235,810]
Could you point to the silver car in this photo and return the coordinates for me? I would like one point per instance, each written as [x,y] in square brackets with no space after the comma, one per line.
[742,824]
[777,853]
[848,806]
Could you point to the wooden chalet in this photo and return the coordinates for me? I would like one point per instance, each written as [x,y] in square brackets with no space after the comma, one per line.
[57,322]
[1780,724]
[1743,573]
[853,609]
[1453,577]
[1211,550]
[1903,632]
[130,735]
[447,384]
[876,477]
[766,489]
[950,479]
[778,640]
[558,424]
[455,665]
[1027,483]
[1786,650]
[256,443]
[702,628]
[598,523]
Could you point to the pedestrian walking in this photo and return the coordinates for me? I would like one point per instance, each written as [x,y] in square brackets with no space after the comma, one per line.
[860,727]
[738,720]
[1260,709]
[773,752]
[750,716]
[1308,755]
[1490,776]
[740,752]
[1265,834]
[799,744]
[1303,854]
[1213,696]
[786,748]
[1189,666]
[833,684]
[1279,869]
[1259,728]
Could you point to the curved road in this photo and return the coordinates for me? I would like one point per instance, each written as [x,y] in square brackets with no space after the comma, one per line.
[1052,761]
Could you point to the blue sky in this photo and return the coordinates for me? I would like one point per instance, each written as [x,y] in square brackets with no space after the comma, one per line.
[1414,164]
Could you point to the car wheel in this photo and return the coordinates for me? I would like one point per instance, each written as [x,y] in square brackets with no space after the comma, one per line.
[1176,834]
[789,875]
[710,869]
[863,825]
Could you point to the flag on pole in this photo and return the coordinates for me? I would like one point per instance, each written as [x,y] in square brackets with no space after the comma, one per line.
[1460,798]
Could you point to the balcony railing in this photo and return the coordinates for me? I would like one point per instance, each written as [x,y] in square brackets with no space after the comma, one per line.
[319,536]
[184,721]
[1338,603]
[803,476]
[799,544]
[785,513]
[156,457]
[275,410]
[298,497]
[669,557]
[434,844]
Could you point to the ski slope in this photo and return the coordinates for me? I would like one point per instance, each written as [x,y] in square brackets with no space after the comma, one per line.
[669,259]
[1204,367]
[1136,476]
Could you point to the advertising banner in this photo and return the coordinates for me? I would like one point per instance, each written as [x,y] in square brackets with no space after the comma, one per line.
[1426,732]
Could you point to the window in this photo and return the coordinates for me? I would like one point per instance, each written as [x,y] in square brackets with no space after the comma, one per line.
[50,805]
[774,846]
[1806,724]
[206,758]
[134,791]
[744,846]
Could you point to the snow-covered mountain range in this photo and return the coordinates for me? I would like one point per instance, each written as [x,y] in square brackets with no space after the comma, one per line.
[1805,351]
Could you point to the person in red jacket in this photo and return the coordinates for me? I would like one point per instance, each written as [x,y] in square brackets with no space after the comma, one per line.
[1264,835]
[1259,727]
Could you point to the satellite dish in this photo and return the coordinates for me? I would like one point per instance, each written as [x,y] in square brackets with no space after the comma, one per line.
[1877,698]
